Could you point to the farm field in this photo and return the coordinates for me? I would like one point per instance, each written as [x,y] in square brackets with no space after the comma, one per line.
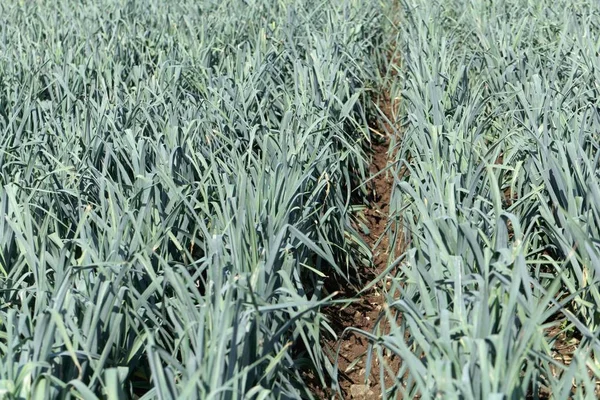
[299,199]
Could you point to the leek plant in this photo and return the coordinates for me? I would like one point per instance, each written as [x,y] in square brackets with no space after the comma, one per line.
[175,185]
[498,192]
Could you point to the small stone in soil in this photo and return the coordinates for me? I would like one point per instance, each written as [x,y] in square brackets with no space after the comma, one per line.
[360,391]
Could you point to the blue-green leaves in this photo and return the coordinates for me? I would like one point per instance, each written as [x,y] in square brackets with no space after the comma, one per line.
[175,180]
[498,203]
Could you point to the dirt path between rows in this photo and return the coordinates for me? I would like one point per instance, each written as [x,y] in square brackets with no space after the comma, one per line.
[363,313]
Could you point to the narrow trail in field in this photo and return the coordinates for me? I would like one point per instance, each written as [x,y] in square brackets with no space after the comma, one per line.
[363,313]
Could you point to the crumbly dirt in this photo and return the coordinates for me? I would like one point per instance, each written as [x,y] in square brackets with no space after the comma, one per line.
[363,313]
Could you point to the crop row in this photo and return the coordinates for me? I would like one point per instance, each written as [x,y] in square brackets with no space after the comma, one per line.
[175,180]
[498,192]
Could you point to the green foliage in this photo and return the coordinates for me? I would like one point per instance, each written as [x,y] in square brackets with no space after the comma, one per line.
[174,187]
[500,201]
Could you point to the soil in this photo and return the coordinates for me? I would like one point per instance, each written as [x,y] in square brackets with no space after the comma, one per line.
[364,311]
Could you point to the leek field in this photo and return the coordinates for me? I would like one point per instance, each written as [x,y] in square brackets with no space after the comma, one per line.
[183,186]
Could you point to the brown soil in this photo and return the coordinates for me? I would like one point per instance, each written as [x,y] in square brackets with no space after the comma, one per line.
[363,312]
[364,309]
